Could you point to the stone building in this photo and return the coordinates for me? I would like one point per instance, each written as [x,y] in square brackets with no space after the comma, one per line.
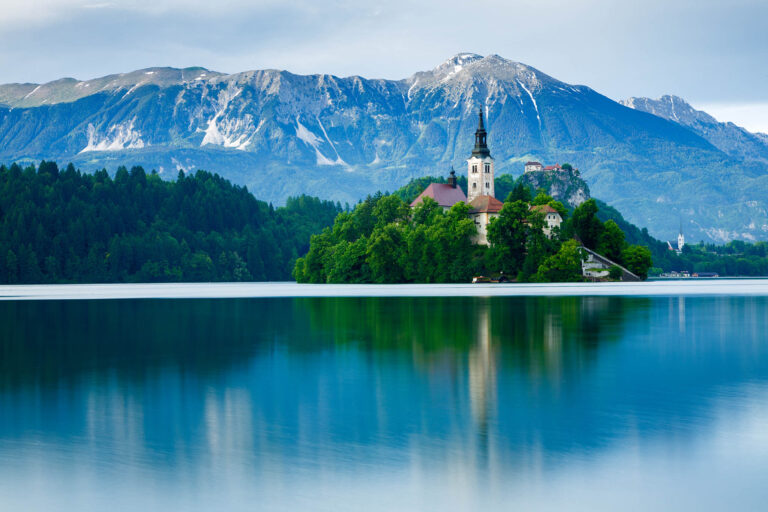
[533,166]
[552,218]
[480,180]
[596,266]
[481,210]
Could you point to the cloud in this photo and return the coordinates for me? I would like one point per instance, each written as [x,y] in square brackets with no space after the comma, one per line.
[705,50]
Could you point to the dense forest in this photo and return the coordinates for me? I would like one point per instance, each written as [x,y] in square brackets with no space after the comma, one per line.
[383,240]
[64,226]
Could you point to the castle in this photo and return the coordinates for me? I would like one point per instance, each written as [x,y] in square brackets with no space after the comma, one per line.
[483,205]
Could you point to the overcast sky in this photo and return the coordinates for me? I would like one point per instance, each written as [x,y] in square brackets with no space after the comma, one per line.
[712,53]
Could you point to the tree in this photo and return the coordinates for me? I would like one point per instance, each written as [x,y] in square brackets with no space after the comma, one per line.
[560,207]
[586,226]
[11,267]
[508,234]
[390,209]
[537,246]
[564,266]
[615,273]
[198,267]
[611,243]
[385,254]
[637,259]
[519,193]
[542,198]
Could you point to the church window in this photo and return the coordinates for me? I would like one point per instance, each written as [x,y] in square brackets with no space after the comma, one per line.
[487,168]
[487,185]
[474,185]
[474,168]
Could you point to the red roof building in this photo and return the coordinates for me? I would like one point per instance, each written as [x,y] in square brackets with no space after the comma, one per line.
[481,210]
[445,194]
[544,208]
[485,204]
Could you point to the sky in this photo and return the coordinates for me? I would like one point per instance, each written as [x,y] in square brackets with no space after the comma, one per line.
[712,53]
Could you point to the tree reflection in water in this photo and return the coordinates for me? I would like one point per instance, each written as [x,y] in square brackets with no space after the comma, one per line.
[340,382]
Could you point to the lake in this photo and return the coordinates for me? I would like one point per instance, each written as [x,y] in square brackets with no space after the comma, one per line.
[385,403]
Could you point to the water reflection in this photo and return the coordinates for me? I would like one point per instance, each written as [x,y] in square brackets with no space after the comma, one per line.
[300,395]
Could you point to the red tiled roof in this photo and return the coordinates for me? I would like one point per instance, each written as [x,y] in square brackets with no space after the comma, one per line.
[552,168]
[445,195]
[485,204]
[544,208]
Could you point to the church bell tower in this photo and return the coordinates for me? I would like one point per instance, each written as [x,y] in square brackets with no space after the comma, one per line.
[480,165]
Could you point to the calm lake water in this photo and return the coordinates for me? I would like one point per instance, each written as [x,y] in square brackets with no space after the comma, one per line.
[560,403]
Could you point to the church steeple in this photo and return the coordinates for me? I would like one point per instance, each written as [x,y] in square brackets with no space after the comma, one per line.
[481,146]
[480,180]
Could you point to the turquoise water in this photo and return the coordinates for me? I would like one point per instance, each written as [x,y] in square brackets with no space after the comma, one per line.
[577,403]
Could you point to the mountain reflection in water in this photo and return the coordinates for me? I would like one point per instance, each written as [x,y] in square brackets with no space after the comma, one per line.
[415,403]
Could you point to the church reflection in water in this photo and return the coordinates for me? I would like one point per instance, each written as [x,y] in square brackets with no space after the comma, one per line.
[268,386]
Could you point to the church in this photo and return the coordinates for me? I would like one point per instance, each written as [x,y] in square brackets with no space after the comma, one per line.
[483,205]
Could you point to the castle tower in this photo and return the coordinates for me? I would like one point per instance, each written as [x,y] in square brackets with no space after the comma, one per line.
[480,165]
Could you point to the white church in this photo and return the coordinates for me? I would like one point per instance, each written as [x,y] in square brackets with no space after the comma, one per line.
[480,190]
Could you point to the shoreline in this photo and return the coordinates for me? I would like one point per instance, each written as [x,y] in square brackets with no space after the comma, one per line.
[721,286]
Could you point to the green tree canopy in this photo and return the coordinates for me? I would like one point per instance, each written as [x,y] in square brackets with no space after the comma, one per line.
[638,260]
[586,226]
[564,266]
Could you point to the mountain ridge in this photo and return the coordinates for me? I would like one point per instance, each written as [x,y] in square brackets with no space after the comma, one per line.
[340,138]
[730,138]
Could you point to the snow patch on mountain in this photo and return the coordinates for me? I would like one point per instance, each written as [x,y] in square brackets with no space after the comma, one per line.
[339,160]
[532,99]
[229,131]
[305,135]
[119,136]
[33,91]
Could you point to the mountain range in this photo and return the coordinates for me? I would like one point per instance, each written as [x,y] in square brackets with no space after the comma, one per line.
[660,162]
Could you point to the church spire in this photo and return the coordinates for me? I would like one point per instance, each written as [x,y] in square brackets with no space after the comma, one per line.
[481,145]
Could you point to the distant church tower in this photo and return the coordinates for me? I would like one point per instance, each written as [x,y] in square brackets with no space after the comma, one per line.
[480,166]
[680,239]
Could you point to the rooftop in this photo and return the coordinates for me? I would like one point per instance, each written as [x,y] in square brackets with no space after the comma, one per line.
[485,204]
[445,195]
[544,208]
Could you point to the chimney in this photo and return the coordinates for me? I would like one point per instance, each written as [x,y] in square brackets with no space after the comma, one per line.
[452,178]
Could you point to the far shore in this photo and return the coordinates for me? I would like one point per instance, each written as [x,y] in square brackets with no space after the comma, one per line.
[691,287]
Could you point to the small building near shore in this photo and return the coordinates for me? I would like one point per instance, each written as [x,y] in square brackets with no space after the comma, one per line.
[596,266]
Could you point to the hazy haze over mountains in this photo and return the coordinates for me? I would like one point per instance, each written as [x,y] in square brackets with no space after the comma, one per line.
[281,134]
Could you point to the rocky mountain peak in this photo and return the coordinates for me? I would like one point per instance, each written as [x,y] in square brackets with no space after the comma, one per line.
[673,108]
[470,67]
[729,138]
[70,89]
